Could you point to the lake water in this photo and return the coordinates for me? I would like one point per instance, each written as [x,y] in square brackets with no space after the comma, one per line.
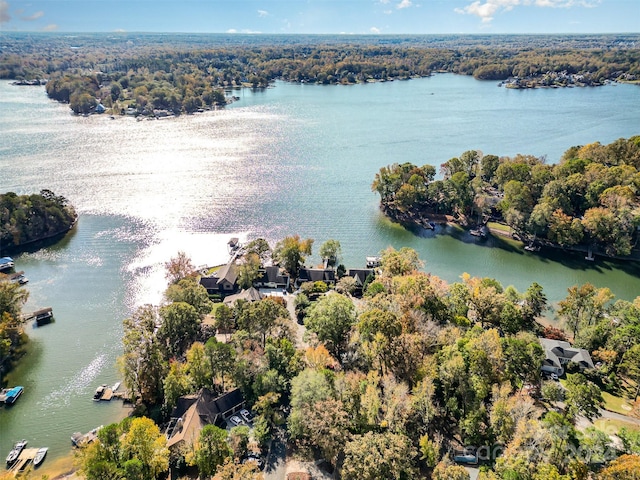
[294,159]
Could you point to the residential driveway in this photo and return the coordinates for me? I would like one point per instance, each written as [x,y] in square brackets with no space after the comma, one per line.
[275,465]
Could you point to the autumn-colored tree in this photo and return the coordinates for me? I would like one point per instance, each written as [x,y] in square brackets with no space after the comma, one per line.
[291,252]
[178,267]
[373,456]
[624,468]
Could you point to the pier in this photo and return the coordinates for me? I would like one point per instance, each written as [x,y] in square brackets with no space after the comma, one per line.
[24,461]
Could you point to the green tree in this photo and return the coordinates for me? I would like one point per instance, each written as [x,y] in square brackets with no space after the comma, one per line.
[188,290]
[249,270]
[373,456]
[261,317]
[179,328]
[176,384]
[144,442]
[400,262]
[221,358]
[212,450]
[582,397]
[290,252]
[331,251]
[331,319]
[142,364]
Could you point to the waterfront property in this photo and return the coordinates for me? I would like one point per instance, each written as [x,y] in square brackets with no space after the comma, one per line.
[326,275]
[222,282]
[193,412]
[559,353]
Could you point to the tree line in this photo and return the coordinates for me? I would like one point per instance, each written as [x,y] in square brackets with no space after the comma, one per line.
[416,368]
[590,199]
[187,73]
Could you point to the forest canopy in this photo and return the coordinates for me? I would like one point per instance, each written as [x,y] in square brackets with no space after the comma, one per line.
[591,198]
[29,218]
[185,73]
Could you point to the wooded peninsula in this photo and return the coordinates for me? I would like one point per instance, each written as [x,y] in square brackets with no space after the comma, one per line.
[140,73]
[588,201]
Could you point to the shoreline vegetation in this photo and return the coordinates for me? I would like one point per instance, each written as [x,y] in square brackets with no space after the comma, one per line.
[406,364]
[157,75]
[25,221]
[589,202]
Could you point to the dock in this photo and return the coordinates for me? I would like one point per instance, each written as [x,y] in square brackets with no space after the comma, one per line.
[41,317]
[105,393]
[24,461]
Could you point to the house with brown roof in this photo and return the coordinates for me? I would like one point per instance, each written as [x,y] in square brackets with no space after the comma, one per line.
[193,412]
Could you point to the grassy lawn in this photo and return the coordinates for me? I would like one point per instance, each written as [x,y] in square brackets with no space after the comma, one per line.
[611,426]
[616,404]
[498,226]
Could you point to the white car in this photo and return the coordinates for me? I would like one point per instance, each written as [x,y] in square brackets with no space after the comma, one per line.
[554,377]
[246,415]
[235,420]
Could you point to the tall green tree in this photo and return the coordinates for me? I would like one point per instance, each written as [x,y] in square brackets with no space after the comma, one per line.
[331,319]
[331,251]
[291,253]
[179,328]
[212,450]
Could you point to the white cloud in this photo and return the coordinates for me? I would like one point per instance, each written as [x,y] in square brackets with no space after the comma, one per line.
[52,27]
[33,17]
[489,8]
[385,2]
[404,4]
[4,12]
[388,12]
[232,30]
[263,13]
[374,30]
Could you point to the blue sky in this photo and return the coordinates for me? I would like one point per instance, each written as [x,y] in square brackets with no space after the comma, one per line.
[322,16]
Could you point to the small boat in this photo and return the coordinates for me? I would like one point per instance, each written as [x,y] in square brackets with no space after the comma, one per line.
[115,387]
[478,232]
[15,452]
[6,263]
[532,248]
[19,278]
[40,454]
[12,395]
[99,392]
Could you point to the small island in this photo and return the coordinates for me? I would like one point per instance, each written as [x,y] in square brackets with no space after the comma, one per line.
[588,202]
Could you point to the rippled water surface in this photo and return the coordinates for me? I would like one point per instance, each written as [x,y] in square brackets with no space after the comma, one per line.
[291,159]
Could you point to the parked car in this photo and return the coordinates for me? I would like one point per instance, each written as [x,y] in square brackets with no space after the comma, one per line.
[235,420]
[246,415]
[254,457]
[554,376]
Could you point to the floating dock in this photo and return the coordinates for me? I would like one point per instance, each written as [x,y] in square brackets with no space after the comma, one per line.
[24,461]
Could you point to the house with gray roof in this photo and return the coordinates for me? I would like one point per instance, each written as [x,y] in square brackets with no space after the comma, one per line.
[223,282]
[559,353]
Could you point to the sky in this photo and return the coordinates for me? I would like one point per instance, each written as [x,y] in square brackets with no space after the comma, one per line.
[322,16]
